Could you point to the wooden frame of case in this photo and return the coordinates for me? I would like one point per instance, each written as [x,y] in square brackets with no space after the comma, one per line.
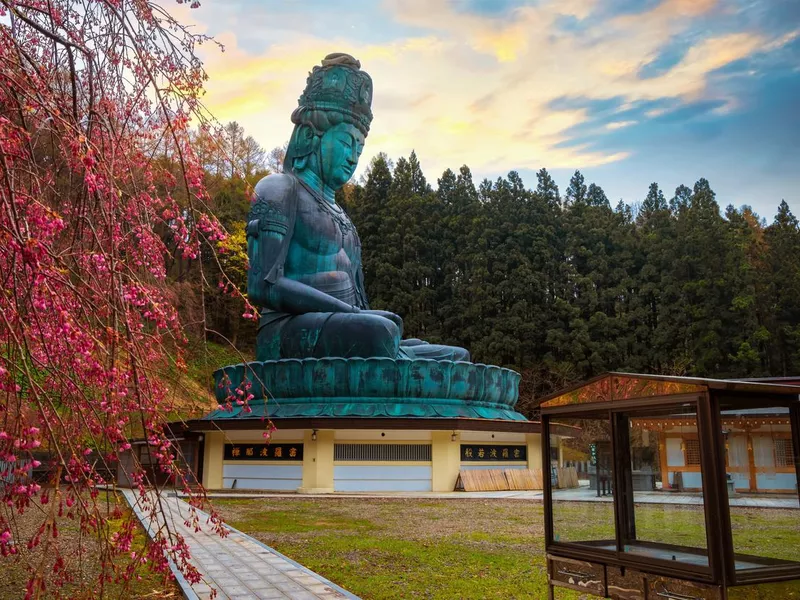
[721,571]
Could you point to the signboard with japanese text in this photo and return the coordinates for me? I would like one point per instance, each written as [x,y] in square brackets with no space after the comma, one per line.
[284,452]
[493,453]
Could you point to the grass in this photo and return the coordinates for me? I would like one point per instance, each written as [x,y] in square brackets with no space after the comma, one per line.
[470,549]
[398,548]
[206,358]
[192,390]
[666,523]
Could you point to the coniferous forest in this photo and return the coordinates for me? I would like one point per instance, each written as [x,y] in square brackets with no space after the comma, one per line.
[560,284]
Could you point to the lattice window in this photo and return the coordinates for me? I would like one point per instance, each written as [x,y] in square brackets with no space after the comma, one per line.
[783,453]
[692,452]
[382,452]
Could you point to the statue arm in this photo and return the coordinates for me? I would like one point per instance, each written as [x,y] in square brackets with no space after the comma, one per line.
[269,233]
[361,294]
[288,295]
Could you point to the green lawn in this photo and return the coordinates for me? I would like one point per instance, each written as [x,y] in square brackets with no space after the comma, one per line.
[445,549]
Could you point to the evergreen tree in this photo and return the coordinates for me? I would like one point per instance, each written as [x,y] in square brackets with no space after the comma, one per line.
[595,196]
[576,191]
[747,334]
[370,214]
[702,296]
[783,263]
[566,291]
[547,188]
[680,201]
[653,203]
[460,221]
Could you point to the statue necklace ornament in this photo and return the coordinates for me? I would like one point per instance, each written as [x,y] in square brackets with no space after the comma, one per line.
[335,211]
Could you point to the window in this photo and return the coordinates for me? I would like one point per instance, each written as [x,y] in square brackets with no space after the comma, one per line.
[692,449]
[382,452]
[783,453]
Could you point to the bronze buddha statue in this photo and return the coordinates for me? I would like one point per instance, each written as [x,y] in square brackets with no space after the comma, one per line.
[305,255]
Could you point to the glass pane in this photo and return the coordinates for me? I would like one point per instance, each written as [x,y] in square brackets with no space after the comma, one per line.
[665,483]
[762,485]
[582,470]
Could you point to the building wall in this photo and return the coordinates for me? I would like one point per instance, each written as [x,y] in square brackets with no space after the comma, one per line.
[263,475]
[389,475]
[267,475]
[125,467]
[319,472]
[750,458]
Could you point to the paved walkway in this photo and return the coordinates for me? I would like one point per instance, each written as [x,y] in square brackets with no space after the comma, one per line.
[237,566]
[524,495]
[582,494]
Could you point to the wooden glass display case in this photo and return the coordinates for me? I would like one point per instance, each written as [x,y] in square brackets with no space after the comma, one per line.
[687,488]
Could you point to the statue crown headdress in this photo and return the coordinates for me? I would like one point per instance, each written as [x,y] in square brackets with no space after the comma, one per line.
[339,85]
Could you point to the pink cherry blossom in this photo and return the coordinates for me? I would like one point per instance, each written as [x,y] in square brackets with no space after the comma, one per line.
[101,194]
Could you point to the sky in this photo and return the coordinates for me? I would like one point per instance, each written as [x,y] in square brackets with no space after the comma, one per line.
[627,91]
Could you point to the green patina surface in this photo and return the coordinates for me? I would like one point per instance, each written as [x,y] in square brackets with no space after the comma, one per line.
[305,254]
[321,350]
[376,387]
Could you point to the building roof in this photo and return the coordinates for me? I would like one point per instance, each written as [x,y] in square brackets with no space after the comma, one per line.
[387,423]
[613,386]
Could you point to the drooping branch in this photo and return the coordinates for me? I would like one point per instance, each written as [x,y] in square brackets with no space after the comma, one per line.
[88,221]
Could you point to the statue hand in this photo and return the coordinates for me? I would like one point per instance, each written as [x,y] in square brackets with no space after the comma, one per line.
[388,315]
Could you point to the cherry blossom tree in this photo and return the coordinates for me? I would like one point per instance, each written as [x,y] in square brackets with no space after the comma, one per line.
[99,189]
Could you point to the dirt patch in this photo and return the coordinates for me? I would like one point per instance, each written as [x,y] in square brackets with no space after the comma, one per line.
[82,556]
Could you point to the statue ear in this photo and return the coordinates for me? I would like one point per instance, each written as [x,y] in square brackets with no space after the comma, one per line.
[307,140]
[306,143]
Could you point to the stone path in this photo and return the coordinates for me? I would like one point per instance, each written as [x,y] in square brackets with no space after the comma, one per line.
[582,494]
[237,566]
[529,495]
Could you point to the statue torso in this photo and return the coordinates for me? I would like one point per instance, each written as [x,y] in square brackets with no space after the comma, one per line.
[324,251]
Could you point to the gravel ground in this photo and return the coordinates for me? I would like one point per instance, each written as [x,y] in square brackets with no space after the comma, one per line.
[82,555]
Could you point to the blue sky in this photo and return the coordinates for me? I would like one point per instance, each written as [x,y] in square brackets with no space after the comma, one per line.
[627,91]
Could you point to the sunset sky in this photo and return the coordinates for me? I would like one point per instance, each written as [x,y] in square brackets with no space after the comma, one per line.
[627,91]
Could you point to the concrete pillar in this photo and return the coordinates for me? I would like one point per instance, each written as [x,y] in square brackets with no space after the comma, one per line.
[317,463]
[534,443]
[212,460]
[446,460]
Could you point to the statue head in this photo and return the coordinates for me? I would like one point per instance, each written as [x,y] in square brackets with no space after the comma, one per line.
[331,121]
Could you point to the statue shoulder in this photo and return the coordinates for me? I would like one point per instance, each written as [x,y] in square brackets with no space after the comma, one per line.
[275,199]
[276,185]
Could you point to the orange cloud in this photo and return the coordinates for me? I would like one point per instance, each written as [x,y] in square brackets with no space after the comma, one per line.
[438,93]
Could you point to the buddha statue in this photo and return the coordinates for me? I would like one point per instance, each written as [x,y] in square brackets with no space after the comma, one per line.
[305,255]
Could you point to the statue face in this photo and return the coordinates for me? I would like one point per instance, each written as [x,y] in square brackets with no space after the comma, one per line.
[340,149]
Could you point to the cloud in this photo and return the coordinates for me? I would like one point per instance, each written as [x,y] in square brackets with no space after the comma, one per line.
[619,124]
[467,82]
